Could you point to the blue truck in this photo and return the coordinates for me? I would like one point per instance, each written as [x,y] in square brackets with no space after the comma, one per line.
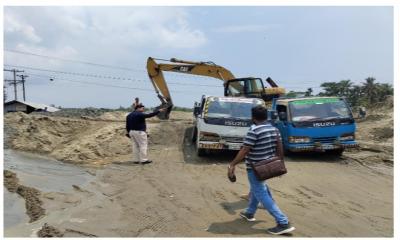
[323,124]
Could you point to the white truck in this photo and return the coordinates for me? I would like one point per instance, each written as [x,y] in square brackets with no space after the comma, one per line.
[222,122]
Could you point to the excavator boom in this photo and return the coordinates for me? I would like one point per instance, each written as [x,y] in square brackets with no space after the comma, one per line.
[155,72]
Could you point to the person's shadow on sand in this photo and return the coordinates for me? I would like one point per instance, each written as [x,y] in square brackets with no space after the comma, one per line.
[232,207]
[238,226]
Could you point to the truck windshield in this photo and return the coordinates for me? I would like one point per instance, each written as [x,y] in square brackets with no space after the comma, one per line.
[229,109]
[319,109]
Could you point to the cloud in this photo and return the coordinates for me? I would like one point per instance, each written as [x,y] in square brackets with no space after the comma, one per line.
[245,28]
[117,36]
[110,35]
[14,25]
[159,26]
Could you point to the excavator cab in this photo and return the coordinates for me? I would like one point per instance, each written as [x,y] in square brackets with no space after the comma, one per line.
[247,87]
[253,88]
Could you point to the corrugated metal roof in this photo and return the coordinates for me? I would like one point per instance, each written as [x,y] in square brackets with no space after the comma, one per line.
[39,106]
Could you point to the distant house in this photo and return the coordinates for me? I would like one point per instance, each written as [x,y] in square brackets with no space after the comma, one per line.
[27,107]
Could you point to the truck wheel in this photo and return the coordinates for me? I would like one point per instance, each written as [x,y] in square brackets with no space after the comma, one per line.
[200,152]
[194,135]
[336,152]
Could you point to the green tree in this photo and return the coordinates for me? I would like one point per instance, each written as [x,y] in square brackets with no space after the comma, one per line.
[308,92]
[370,90]
[330,88]
[343,88]
[384,90]
[366,94]
[355,96]
[291,94]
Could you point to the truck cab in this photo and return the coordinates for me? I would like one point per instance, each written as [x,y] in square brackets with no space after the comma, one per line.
[324,124]
[222,122]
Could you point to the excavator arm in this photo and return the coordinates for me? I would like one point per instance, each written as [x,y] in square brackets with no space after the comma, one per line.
[248,87]
[155,72]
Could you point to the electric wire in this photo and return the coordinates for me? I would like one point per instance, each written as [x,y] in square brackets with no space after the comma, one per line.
[123,78]
[102,84]
[71,60]
[104,65]
[104,76]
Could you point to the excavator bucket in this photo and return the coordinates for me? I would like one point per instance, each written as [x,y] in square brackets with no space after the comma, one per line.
[167,104]
[164,115]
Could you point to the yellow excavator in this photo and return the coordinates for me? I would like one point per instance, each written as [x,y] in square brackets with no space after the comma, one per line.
[248,87]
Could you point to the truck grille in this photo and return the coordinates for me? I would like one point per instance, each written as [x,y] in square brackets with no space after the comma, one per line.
[325,139]
[233,139]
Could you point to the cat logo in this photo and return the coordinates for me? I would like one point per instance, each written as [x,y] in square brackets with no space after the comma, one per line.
[185,69]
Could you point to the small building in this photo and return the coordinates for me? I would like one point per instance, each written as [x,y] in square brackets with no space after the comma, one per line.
[27,107]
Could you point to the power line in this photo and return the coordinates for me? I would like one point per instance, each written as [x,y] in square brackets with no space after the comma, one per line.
[105,76]
[88,63]
[106,85]
[108,66]
[52,78]
[76,73]
[72,60]
[124,78]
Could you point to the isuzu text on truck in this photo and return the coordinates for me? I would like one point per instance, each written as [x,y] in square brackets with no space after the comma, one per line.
[315,124]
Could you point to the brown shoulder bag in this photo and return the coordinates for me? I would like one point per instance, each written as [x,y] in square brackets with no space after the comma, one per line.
[272,167]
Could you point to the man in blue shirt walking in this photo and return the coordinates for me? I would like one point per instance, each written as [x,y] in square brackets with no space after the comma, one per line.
[136,131]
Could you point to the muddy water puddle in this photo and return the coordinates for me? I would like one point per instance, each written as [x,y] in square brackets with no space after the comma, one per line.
[44,174]
[14,209]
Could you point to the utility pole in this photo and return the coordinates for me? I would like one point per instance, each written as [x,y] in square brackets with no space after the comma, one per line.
[23,84]
[14,81]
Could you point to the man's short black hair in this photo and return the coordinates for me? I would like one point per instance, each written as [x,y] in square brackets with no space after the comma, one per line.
[259,113]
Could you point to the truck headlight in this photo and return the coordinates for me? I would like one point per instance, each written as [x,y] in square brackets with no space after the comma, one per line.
[297,139]
[209,136]
[347,137]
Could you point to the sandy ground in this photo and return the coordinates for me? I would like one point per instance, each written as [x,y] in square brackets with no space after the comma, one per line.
[182,195]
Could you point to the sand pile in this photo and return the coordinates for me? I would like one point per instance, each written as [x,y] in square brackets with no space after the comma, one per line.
[66,139]
[94,141]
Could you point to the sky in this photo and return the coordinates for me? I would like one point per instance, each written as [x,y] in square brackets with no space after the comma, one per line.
[96,56]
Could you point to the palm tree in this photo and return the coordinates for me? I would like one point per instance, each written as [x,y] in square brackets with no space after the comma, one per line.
[370,89]
[330,88]
[384,90]
[354,96]
[344,87]
[308,92]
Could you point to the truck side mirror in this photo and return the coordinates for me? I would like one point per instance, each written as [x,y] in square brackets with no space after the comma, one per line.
[272,115]
[196,109]
[282,116]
